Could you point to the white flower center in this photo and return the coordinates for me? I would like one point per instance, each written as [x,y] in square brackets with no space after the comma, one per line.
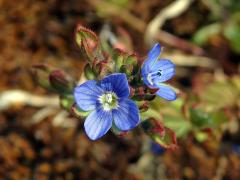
[149,78]
[109,98]
[154,74]
[109,101]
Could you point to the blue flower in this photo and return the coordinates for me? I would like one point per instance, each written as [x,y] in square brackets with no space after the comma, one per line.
[108,100]
[156,148]
[155,72]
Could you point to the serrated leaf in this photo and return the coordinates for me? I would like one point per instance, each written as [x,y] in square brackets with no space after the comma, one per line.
[84,37]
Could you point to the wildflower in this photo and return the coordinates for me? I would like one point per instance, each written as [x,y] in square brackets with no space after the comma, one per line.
[108,100]
[155,72]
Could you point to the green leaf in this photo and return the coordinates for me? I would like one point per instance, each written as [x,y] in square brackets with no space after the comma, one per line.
[178,124]
[203,119]
[200,118]
[236,82]
[160,134]
[219,117]
[202,36]
[210,97]
[150,113]
[232,32]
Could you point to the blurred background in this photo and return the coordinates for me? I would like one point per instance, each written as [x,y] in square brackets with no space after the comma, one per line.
[39,140]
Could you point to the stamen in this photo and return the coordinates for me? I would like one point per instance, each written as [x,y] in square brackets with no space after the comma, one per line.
[109,98]
[109,101]
[159,73]
[149,78]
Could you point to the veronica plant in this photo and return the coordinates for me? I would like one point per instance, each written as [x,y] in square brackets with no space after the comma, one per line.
[116,91]
[119,93]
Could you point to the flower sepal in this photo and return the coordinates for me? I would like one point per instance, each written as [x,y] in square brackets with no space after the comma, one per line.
[66,101]
[89,72]
[41,73]
[53,79]
[125,63]
[78,113]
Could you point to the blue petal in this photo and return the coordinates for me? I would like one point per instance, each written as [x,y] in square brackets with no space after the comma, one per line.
[117,83]
[162,71]
[144,73]
[146,82]
[152,57]
[98,123]
[149,63]
[154,53]
[86,95]
[126,116]
[166,92]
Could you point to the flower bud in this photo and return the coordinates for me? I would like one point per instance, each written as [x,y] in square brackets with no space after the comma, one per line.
[41,74]
[125,63]
[61,82]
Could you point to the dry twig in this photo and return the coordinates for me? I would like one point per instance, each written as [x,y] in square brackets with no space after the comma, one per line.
[14,97]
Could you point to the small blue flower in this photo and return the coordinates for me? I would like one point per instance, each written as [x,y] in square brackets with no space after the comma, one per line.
[155,72]
[156,148]
[108,100]
[236,148]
